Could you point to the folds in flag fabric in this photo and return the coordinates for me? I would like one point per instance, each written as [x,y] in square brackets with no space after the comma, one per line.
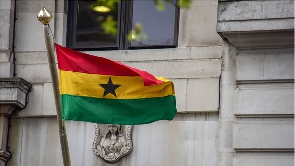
[98,90]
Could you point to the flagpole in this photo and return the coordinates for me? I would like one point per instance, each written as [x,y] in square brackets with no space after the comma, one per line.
[45,17]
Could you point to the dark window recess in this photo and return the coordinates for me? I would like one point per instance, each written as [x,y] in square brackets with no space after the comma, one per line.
[129,24]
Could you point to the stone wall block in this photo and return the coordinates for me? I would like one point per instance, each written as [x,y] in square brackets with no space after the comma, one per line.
[34,6]
[250,67]
[40,135]
[48,101]
[279,66]
[200,3]
[203,116]
[60,6]
[35,73]
[261,135]
[16,134]
[202,27]
[28,58]
[264,101]
[198,141]
[84,145]
[212,143]
[265,66]
[7,4]
[29,32]
[60,30]
[4,56]
[203,95]
[34,106]
[180,86]
[6,69]
[183,33]
[262,160]
[6,26]
[184,22]
[181,69]
[225,158]
[40,143]
[214,52]
[144,54]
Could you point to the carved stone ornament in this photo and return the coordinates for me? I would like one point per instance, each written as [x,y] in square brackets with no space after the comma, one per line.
[112,142]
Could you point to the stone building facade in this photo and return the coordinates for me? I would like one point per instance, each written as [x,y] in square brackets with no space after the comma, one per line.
[233,71]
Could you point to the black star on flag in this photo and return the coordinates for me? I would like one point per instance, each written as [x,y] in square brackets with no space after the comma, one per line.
[109,88]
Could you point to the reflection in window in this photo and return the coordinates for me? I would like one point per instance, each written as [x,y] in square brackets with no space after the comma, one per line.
[157,26]
[90,32]
[124,24]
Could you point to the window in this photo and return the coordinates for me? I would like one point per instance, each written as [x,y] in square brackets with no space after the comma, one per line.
[126,24]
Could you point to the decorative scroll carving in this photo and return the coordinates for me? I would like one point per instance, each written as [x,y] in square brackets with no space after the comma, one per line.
[112,142]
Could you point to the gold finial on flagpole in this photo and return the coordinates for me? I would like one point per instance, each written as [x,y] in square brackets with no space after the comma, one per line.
[44,16]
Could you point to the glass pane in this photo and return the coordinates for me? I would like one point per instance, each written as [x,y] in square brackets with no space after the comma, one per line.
[96,26]
[151,27]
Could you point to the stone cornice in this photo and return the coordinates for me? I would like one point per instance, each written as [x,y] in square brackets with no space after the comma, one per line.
[15,82]
[14,92]
[257,24]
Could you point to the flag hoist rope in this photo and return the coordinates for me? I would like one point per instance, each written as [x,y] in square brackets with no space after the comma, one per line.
[44,17]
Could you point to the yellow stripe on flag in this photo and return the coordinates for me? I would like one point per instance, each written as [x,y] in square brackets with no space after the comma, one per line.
[131,87]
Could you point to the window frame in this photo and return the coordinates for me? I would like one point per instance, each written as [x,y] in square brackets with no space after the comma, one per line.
[125,13]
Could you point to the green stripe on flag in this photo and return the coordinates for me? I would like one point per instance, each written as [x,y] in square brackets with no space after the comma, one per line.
[124,111]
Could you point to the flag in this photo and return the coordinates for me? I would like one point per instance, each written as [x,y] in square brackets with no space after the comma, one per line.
[98,90]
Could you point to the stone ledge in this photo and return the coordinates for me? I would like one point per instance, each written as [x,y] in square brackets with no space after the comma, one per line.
[260,39]
[15,82]
[245,116]
[282,150]
[14,92]
[257,24]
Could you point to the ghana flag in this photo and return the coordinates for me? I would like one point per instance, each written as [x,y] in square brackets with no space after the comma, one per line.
[98,90]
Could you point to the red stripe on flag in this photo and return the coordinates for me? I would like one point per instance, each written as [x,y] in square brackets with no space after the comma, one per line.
[71,60]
